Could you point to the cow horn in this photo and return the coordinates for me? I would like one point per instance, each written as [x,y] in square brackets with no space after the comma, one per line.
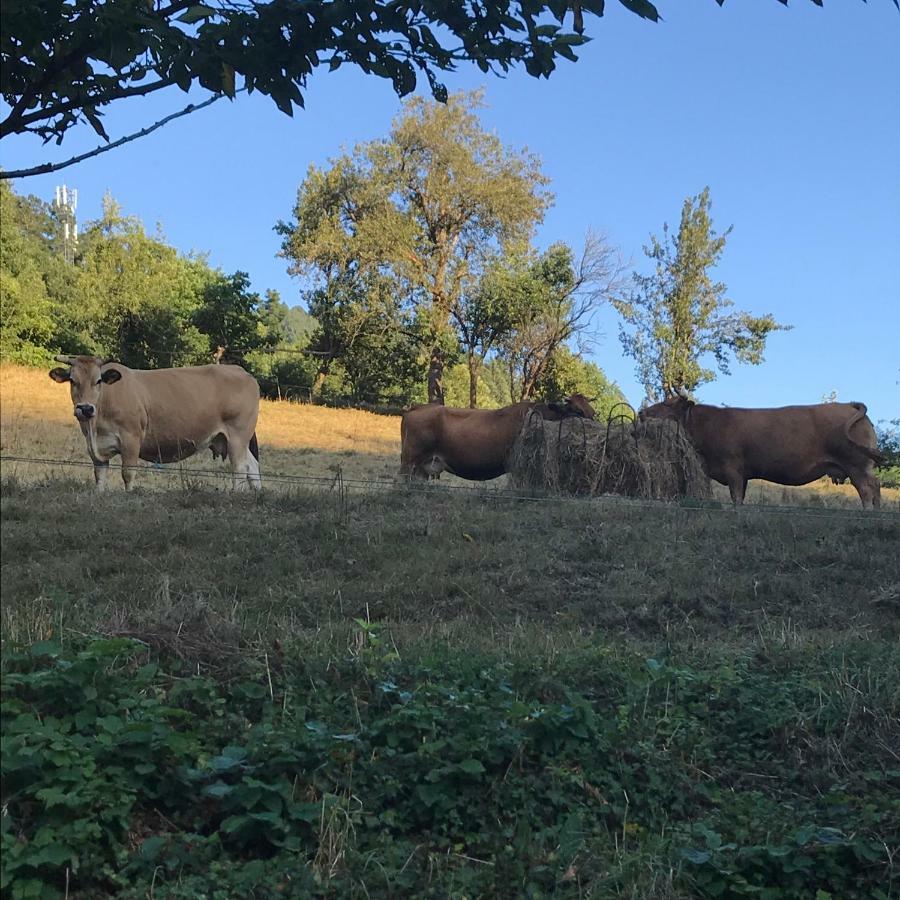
[68,360]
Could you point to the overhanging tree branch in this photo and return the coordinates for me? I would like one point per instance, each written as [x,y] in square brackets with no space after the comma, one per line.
[25,121]
[46,168]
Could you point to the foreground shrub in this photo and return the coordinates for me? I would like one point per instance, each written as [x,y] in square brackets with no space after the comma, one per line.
[449,773]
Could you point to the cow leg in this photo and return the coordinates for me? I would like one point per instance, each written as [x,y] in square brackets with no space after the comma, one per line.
[101,472]
[130,460]
[737,487]
[253,472]
[244,468]
[868,488]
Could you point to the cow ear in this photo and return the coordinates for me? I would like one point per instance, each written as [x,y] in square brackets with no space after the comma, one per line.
[110,376]
[59,375]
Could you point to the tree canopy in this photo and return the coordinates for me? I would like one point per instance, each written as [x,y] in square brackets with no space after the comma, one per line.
[127,295]
[422,208]
[675,318]
[65,61]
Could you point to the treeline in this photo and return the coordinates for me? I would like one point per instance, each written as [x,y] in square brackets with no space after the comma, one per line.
[416,261]
[131,296]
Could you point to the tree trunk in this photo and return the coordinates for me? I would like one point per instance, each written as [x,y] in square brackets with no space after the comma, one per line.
[474,366]
[319,381]
[436,376]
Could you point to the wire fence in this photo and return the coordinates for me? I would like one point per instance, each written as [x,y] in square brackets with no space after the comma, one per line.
[341,484]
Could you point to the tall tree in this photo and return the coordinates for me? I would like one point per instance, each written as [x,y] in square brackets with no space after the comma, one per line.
[675,319]
[136,297]
[363,336]
[424,207]
[484,316]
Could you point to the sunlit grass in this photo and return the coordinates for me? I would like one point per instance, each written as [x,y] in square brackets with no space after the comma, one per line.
[295,439]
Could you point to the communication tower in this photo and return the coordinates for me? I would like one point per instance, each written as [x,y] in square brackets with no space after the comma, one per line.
[65,203]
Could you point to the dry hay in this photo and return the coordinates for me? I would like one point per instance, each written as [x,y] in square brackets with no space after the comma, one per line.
[652,460]
[187,631]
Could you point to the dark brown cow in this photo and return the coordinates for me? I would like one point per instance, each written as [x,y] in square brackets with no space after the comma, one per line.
[471,443]
[787,445]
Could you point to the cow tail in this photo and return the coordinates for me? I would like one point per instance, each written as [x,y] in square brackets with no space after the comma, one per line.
[254,447]
[861,410]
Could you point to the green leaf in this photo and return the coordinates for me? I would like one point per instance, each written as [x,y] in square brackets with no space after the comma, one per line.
[45,648]
[227,80]
[471,766]
[151,847]
[691,854]
[642,8]
[430,794]
[217,790]
[196,13]
[233,823]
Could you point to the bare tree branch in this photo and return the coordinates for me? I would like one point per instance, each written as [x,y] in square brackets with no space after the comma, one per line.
[46,168]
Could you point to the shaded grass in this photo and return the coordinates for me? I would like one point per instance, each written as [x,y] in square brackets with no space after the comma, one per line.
[276,564]
[446,693]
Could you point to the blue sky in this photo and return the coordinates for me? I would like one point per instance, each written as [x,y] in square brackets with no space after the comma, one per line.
[790,115]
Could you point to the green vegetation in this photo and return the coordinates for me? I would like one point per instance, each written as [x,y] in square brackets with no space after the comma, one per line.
[415,254]
[129,296]
[674,318]
[424,693]
[889,444]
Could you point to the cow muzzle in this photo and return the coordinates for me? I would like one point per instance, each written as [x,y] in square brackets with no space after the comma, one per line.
[85,411]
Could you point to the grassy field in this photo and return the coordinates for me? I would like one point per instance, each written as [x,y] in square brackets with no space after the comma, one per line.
[436,693]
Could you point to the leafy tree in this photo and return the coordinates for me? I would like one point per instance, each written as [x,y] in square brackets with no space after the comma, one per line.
[568,373]
[484,317]
[552,299]
[297,325]
[236,321]
[26,261]
[363,339]
[128,295]
[65,61]
[676,317]
[136,296]
[888,434]
[422,208]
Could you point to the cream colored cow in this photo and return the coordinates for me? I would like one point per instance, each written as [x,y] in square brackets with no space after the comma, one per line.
[164,415]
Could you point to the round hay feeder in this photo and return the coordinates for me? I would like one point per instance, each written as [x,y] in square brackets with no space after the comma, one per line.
[652,460]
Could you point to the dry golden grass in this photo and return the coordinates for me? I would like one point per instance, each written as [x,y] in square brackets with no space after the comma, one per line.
[295,439]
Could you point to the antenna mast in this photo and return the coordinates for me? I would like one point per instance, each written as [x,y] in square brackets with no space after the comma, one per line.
[65,203]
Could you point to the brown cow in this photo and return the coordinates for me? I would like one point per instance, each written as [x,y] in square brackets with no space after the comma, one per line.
[471,443]
[787,445]
[163,415]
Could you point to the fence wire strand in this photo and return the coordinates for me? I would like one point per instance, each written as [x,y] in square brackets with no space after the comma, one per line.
[339,481]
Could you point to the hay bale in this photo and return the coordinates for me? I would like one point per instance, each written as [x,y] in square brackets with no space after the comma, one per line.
[653,460]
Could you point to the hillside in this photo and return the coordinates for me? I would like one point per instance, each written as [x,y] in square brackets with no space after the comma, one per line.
[419,691]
